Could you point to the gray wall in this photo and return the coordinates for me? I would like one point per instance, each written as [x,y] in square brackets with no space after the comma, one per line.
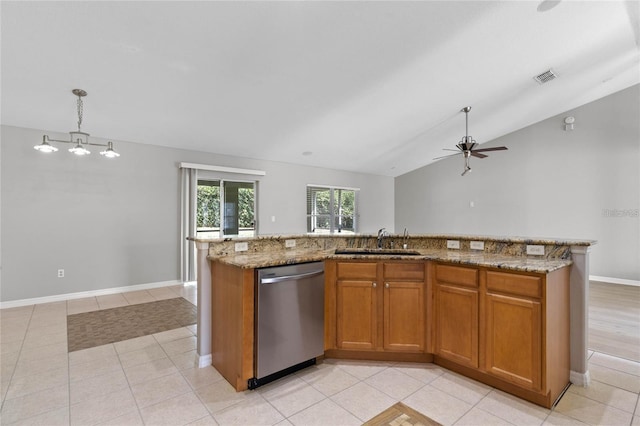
[550,183]
[116,223]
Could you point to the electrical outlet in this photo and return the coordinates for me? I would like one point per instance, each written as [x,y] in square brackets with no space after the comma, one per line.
[60,273]
[242,246]
[289,243]
[535,250]
[453,244]
[476,245]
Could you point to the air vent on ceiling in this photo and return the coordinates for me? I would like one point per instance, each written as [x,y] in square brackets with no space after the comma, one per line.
[545,77]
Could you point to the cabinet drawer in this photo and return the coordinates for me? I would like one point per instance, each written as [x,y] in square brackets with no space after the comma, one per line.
[357,270]
[404,271]
[522,285]
[457,275]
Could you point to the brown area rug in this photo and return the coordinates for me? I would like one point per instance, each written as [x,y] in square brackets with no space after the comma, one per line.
[97,328]
[401,415]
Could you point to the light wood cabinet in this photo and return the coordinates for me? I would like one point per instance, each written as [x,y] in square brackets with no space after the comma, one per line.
[456,314]
[527,330]
[513,349]
[357,305]
[404,307]
[379,306]
[232,322]
[507,329]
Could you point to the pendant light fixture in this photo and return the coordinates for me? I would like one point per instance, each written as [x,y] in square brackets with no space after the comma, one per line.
[78,138]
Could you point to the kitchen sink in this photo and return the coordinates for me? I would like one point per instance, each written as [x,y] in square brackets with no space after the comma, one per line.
[377,252]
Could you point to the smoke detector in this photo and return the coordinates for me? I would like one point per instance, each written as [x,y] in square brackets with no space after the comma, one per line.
[545,77]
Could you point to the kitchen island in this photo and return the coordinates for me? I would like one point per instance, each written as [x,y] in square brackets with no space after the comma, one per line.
[497,284]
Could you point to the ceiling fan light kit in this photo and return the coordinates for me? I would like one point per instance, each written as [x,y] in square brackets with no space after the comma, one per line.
[78,138]
[467,144]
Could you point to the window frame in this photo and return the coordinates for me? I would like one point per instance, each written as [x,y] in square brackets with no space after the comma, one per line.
[221,184]
[333,212]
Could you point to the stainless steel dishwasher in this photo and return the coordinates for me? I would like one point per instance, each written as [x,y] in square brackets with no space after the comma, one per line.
[289,318]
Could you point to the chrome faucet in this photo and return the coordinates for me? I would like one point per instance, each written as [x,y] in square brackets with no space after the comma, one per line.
[381,234]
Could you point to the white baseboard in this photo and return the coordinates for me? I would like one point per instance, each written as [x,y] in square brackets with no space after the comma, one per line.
[614,280]
[203,360]
[580,379]
[91,293]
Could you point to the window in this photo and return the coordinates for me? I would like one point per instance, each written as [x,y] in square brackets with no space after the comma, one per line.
[331,210]
[229,203]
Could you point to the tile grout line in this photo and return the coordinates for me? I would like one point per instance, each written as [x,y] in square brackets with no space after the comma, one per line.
[135,401]
[15,367]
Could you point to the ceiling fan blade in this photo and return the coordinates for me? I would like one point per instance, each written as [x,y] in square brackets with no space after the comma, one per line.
[445,156]
[477,155]
[497,148]
[447,149]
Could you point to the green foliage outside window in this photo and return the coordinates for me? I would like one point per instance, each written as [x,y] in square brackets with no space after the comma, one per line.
[245,202]
[322,210]
[208,210]
[208,206]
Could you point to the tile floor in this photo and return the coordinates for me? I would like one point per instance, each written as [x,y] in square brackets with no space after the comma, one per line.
[152,380]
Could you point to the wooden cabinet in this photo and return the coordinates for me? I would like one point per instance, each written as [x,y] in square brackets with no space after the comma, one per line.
[507,329]
[404,306]
[456,314]
[527,331]
[513,327]
[232,322]
[357,305]
[379,306]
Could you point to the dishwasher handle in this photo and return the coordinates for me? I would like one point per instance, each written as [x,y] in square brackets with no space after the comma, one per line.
[272,280]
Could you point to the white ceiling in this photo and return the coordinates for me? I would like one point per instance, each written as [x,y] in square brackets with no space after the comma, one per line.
[373,87]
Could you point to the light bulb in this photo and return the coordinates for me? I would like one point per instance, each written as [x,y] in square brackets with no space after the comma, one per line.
[79,150]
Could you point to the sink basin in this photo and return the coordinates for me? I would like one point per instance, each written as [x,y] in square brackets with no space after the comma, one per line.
[378,252]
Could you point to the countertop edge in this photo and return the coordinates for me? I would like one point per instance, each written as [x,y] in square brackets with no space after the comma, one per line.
[465,237]
[513,263]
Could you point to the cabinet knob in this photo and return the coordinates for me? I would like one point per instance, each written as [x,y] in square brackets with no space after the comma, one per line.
[375,285]
[386,285]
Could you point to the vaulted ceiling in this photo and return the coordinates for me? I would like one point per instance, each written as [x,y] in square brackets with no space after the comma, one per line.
[373,87]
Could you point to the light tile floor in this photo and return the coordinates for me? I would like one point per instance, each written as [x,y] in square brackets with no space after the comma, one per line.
[153,380]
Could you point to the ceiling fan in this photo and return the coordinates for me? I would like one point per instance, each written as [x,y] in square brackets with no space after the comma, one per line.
[466,145]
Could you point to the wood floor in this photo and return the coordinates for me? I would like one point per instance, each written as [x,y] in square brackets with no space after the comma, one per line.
[614,319]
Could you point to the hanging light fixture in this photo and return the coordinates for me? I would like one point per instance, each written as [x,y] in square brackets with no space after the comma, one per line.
[79,138]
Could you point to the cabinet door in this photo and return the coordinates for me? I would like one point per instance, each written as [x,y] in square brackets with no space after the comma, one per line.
[404,318]
[513,340]
[457,324]
[356,314]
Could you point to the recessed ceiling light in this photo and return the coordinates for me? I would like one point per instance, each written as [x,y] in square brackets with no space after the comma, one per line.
[546,5]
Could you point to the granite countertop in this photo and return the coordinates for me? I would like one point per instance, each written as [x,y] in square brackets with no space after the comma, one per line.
[277,258]
[497,238]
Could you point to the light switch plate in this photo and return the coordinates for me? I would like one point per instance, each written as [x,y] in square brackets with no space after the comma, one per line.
[535,250]
[453,244]
[242,246]
[476,245]
[289,243]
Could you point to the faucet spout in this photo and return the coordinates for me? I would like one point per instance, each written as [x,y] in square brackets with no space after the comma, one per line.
[381,234]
